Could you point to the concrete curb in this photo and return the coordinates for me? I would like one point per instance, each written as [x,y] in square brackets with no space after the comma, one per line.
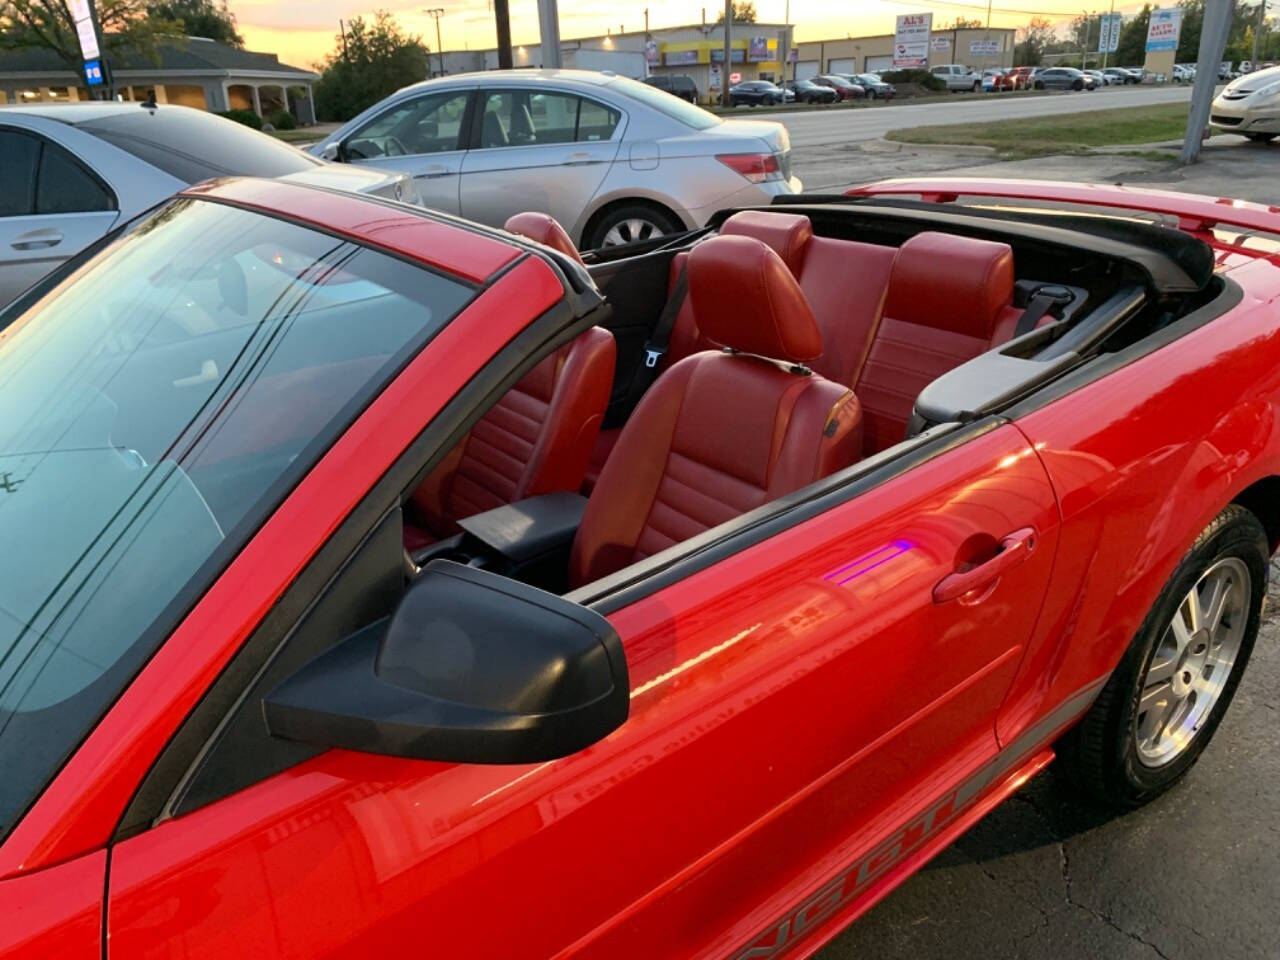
[955,149]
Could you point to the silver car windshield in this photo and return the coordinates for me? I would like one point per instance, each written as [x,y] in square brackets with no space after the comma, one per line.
[687,113]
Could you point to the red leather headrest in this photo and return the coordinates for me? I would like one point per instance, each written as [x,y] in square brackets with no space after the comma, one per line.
[952,283]
[544,230]
[786,234]
[745,297]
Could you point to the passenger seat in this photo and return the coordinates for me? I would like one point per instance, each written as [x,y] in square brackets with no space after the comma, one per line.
[950,299]
[536,439]
[721,432]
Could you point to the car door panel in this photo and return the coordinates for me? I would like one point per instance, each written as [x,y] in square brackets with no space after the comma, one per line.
[524,172]
[31,247]
[55,912]
[423,137]
[797,697]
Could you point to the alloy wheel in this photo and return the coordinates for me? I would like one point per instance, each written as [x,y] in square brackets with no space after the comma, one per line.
[1190,665]
[631,230]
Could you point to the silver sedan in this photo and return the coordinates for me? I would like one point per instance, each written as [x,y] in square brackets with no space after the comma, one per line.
[69,173]
[614,160]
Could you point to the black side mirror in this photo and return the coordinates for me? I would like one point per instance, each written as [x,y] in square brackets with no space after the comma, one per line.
[471,668]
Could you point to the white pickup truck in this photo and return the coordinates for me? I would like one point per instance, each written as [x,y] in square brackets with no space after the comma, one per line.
[958,77]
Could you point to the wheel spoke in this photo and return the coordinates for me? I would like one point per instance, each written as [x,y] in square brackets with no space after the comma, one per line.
[1161,670]
[1195,610]
[1217,603]
[1179,630]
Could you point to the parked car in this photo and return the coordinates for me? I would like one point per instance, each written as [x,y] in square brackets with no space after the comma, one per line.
[755,93]
[843,88]
[1041,533]
[1062,78]
[1100,79]
[996,80]
[1183,73]
[1121,75]
[73,172]
[876,88]
[615,160]
[678,85]
[1249,106]
[806,91]
[957,77]
[1021,77]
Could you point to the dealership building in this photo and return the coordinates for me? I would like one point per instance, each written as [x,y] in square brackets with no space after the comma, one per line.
[190,71]
[756,52]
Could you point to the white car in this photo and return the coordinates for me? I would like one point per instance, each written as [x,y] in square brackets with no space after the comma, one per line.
[958,77]
[613,160]
[70,173]
[1249,106]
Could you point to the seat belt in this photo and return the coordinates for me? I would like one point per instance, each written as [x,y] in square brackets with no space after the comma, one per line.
[1041,303]
[655,348]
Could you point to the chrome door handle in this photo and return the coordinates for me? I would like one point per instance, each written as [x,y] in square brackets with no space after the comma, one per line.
[1014,550]
[37,240]
[434,173]
[579,160]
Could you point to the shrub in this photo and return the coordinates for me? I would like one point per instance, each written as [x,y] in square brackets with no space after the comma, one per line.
[282,120]
[921,78]
[247,117]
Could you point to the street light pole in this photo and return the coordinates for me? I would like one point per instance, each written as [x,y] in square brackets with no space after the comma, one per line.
[435,13]
[724,68]
[1257,31]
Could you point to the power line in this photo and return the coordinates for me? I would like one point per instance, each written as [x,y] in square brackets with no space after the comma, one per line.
[1047,14]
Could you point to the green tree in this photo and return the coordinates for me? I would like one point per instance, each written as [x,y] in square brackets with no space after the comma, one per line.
[1132,48]
[1033,39]
[200,18]
[744,12]
[377,59]
[47,23]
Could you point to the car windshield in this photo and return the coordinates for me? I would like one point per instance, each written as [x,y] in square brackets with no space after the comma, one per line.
[687,113]
[193,145]
[155,407]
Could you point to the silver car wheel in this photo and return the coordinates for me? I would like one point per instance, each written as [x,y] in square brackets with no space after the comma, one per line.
[631,230]
[1192,662]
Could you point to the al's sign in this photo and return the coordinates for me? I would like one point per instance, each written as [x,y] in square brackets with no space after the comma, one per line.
[1163,29]
[911,40]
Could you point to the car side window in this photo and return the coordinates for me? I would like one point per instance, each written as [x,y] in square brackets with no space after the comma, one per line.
[40,177]
[63,185]
[430,124]
[516,118]
[19,158]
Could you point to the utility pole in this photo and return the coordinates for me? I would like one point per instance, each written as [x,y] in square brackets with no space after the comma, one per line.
[1213,40]
[343,30]
[1257,30]
[786,46]
[435,13]
[724,69]
[1106,47]
[549,31]
[1084,44]
[646,19]
[502,20]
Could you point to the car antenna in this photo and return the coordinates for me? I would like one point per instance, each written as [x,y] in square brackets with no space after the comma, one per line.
[150,102]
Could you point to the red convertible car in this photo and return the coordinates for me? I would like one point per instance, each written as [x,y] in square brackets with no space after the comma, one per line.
[377,583]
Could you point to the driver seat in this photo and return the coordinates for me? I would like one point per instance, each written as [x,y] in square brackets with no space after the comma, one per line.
[721,432]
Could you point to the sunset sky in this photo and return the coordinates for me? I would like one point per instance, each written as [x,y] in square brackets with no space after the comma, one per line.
[302,32]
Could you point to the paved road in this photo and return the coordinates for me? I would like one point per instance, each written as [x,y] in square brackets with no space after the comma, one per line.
[810,128]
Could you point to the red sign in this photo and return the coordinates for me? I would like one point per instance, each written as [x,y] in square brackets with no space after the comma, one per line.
[735,78]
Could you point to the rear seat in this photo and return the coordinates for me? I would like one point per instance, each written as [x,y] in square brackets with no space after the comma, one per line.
[950,299]
[892,320]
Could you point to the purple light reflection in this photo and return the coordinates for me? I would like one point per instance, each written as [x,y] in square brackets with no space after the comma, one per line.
[868,562]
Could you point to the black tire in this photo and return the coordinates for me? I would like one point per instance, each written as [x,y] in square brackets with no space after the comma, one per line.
[1100,755]
[1078,86]
[1039,85]
[662,220]
[977,86]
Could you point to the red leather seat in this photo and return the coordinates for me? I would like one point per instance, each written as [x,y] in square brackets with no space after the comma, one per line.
[720,433]
[536,439]
[950,298]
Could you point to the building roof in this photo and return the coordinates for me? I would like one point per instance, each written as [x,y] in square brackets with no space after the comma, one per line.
[188,54]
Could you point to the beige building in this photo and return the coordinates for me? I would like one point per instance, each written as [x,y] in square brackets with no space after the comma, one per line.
[977,48]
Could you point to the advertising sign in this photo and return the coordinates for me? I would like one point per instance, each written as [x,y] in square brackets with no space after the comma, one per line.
[984,48]
[93,73]
[679,58]
[911,39]
[1164,28]
[793,55]
[736,55]
[941,44]
[735,78]
[714,83]
[1109,33]
[651,51]
[758,49]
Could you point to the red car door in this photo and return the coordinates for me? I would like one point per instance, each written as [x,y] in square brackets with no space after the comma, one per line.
[796,700]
